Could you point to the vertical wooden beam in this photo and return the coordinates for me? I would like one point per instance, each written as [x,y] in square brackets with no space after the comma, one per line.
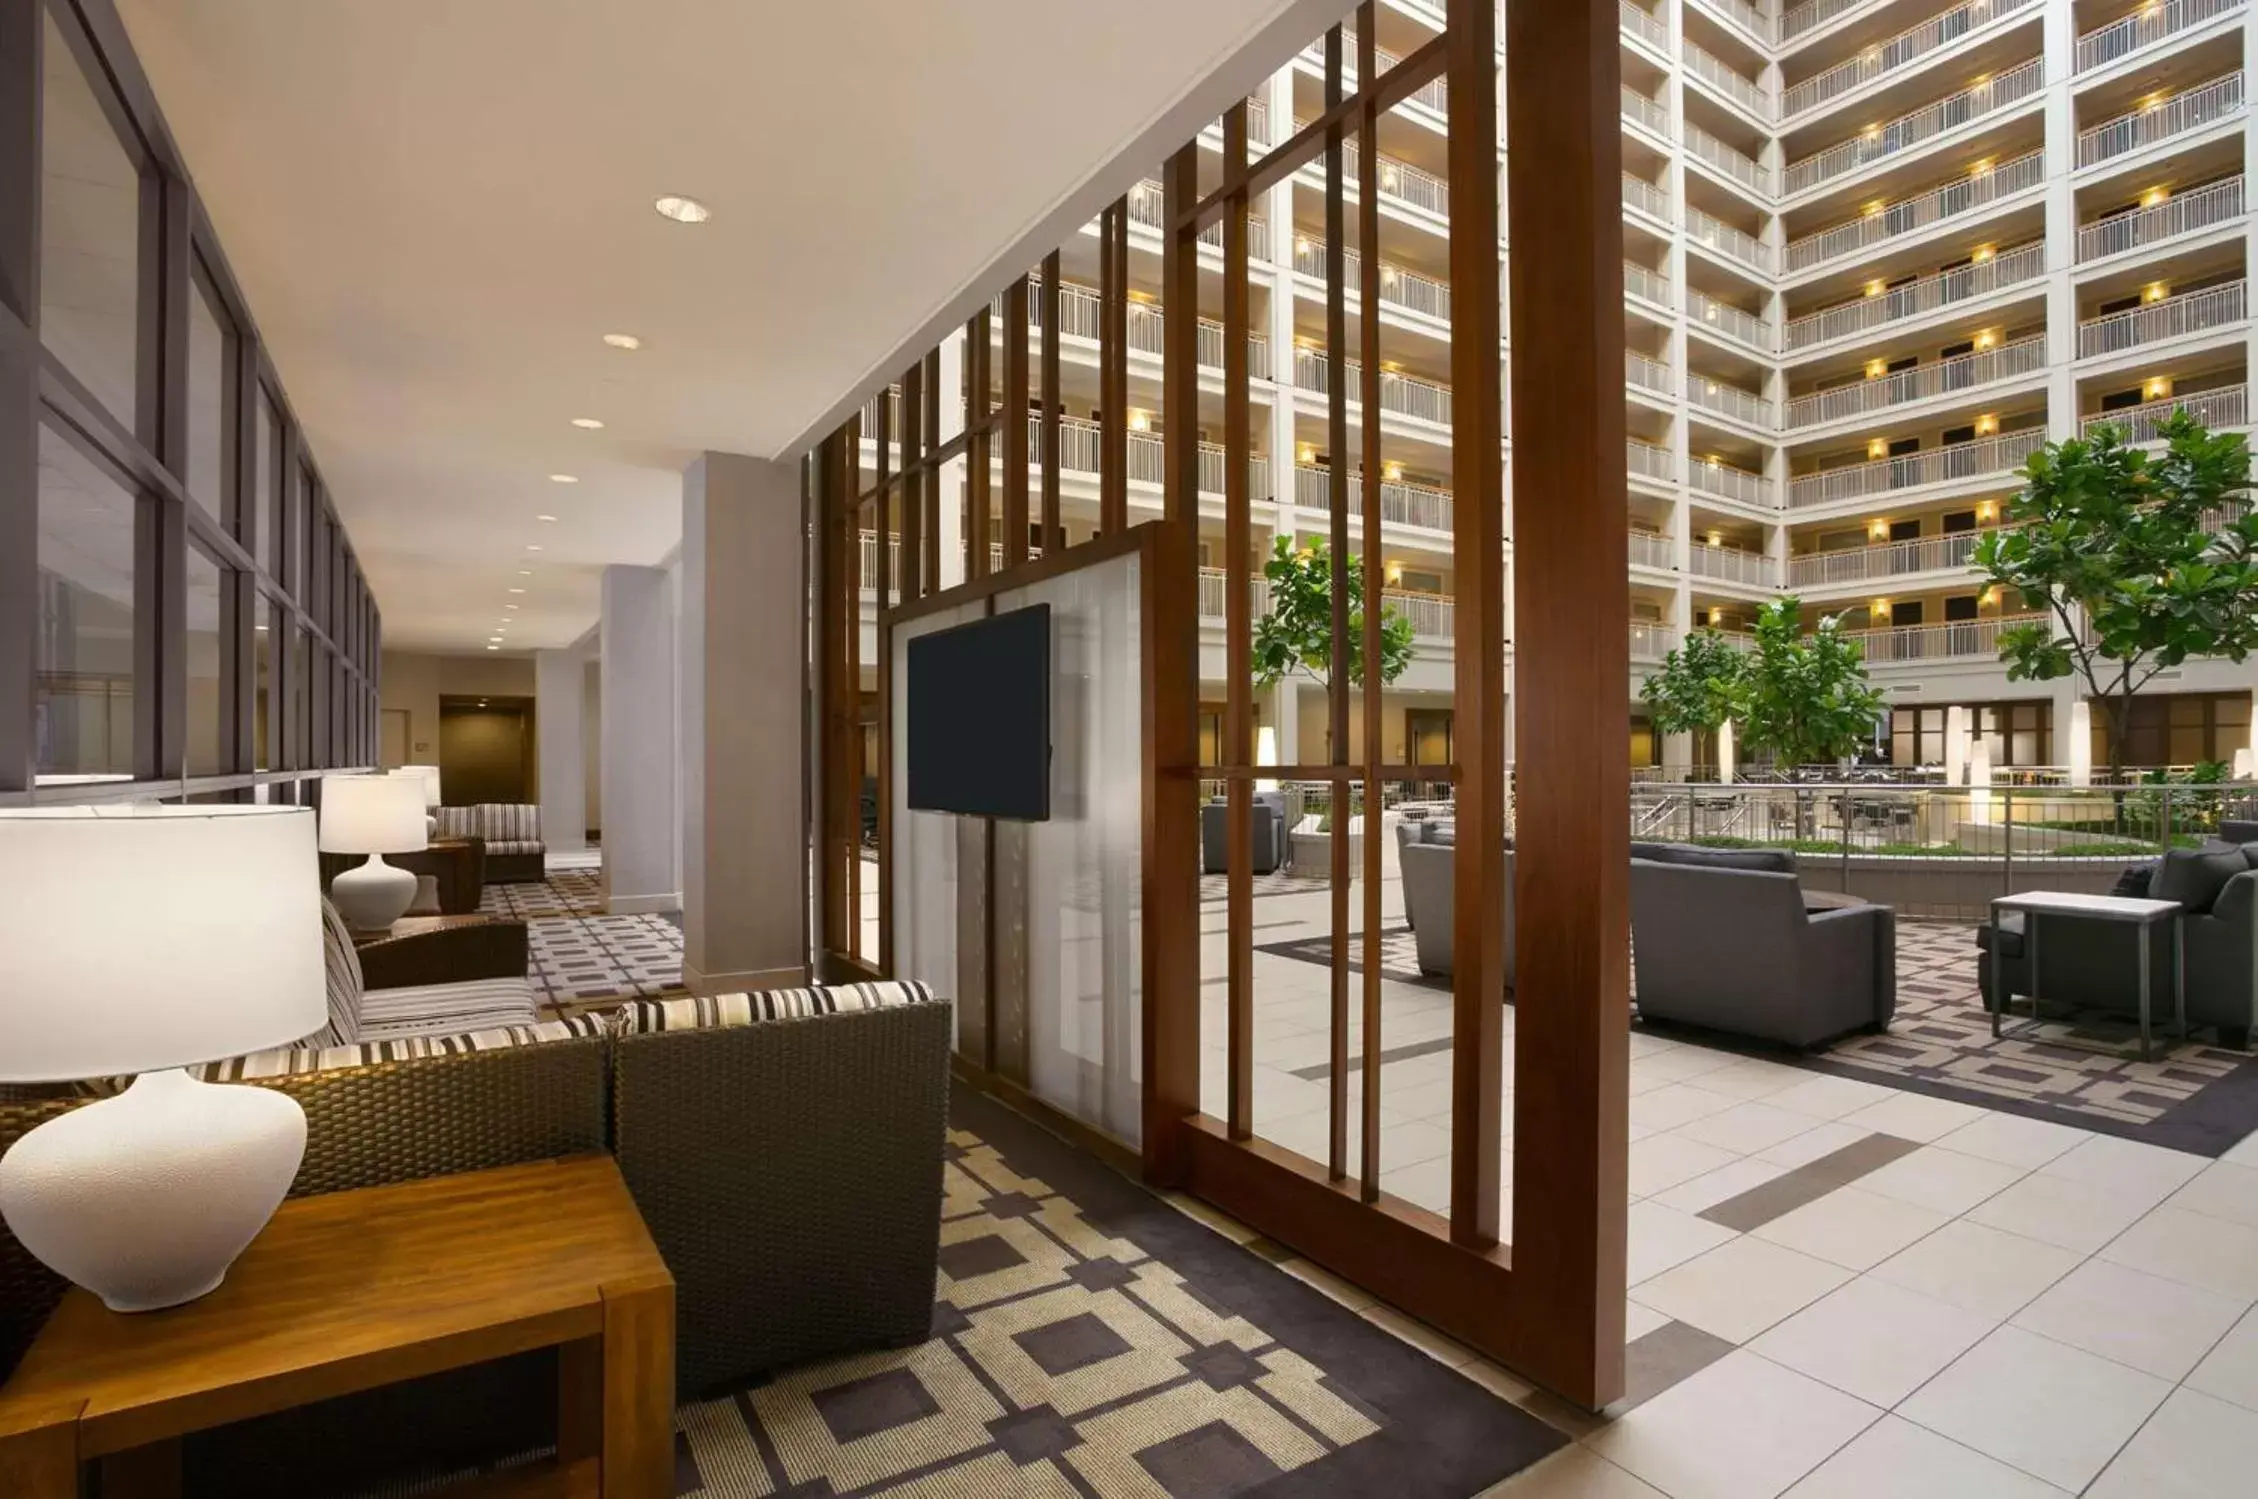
[20,30]
[931,563]
[1338,679]
[911,563]
[1014,441]
[160,625]
[978,351]
[883,600]
[1113,368]
[1572,611]
[834,523]
[1478,545]
[1368,327]
[849,851]
[1238,641]
[1053,536]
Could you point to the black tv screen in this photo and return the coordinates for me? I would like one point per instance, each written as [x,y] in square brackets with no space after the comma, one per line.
[980,717]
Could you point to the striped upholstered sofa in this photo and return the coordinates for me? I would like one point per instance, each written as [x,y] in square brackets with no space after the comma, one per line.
[785,1149]
[511,831]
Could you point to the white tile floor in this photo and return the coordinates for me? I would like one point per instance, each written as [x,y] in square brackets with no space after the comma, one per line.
[2015,1309]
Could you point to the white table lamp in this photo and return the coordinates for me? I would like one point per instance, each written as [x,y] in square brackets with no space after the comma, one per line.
[373,815]
[141,939]
[429,776]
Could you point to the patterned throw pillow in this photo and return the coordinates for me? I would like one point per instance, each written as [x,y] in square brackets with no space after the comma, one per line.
[707,1011]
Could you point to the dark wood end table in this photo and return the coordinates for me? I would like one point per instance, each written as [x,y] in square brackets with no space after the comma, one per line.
[350,1291]
[417,926]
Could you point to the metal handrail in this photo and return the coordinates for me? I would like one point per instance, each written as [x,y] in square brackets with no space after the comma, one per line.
[1712,70]
[1401,503]
[1398,287]
[1653,549]
[1708,229]
[2173,317]
[1647,374]
[1736,322]
[1727,482]
[2190,109]
[1648,199]
[1406,395]
[1910,215]
[2151,23]
[1730,400]
[1902,50]
[1918,298]
[1646,111]
[1148,210]
[2223,406]
[1647,284]
[1918,128]
[1733,565]
[1960,372]
[1738,165]
[1954,638]
[1079,310]
[1642,24]
[2183,213]
[1813,14]
[1399,179]
[1650,460]
[1960,460]
[1888,559]
[1651,640]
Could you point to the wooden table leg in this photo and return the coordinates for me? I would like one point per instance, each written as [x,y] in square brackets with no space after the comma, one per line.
[151,1472]
[616,1396]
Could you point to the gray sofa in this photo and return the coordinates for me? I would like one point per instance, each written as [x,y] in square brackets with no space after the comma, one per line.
[1269,828]
[1425,852]
[1721,939]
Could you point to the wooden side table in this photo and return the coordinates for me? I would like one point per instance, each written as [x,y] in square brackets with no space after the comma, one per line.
[354,1290]
[416,926]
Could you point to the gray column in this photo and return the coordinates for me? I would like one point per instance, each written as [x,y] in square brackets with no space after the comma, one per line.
[637,638]
[560,711]
[745,909]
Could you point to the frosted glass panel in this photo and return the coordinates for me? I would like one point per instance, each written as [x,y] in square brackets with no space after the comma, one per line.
[925,848]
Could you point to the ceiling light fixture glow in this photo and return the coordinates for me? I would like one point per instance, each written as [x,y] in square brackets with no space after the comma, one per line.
[545,517]
[623,340]
[564,478]
[517,590]
[683,210]
[588,424]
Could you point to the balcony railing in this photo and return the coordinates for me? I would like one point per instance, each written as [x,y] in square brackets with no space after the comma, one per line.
[1643,25]
[1647,285]
[1920,127]
[1648,199]
[1652,549]
[1433,616]
[2173,317]
[1889,559]
[1733,322]
[1641,110]
[1650,461]
[1651,640]
[1647,374]
[1738,165]
[1960,372]
[1148,210]
[1811,15]
[1900,51]
[2191,109]
[1079,308]
[1214,590]
[1406,395]
[1971,638]
[1722,237]
[1960,196]
[2185,213]
[1730,400]
[1733,565]
[1961,460]
[1401,504]
[1399,180]
[1729,483]
[1918,298]
[1398,287]
[1742,90]
[2151,23]
[1434,95]
[2223,407]
[1078,449]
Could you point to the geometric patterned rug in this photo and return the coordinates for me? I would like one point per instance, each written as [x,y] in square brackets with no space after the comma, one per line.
[2078,1069]
[573,892]
[1091,1340]
[583,960]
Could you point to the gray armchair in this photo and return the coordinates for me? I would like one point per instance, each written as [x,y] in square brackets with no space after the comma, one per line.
[1427,886]
[1215,837]
[1734,950]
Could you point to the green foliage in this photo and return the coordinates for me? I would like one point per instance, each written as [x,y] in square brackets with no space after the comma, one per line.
[2147,810]
[1297,633]
[1804,698]
[2108,531]
[1693,691]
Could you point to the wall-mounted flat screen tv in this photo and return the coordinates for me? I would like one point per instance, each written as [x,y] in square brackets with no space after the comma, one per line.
[980,717]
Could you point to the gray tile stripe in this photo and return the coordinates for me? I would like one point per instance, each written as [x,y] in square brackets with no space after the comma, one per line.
[1323,1070]
[1808,1183]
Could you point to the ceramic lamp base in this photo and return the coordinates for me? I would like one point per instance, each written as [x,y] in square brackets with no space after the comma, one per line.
[372,896]
[145,1199]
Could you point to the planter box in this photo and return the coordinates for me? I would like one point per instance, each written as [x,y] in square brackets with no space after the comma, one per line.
[1312,855]
[1949,889]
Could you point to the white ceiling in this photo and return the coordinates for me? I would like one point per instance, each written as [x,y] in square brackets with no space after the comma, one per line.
[437,210]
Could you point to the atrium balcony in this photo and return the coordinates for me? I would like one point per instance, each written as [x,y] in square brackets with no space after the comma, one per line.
[2164,319]
[1919,128]
[1644,196]
[1735,566]
[1897,56]
[1653,551]
[1720,480]
[1884,561]
[1727,82]
[1426,507]
[1882,307]
[1733,403]
[1963,198]
[1956,640]
[2146,27]
[2169,217]
[1401,288]
[1945,377]
[2161,120]
[1401,394]
[1985,458]
[1419,195]
[2221,408]
[1643,25]
[1707,231]
[1648,377]
[1651,640]
[1707,314]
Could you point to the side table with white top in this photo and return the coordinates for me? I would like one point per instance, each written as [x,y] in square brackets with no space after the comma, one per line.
[2144,915]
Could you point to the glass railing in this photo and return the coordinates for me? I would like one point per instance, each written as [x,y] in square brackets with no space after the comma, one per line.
[1651,640]
[1733,565]
[1962,195]
[2183,213]
[2223,407]
[1648,199]
[2172,317]
[1643,24]
[1961,372]
[1641,110]
[1650,461]
[1961,460]
[2162,119]
[1401,503]
[1730,400]
[2151,23]
[1918,298]
[1647,285]
[1406,395]
[1900,51]
[1652,549]
[1725,482]
[1889,559]
[1399,287]
[1708,229]
[1738,165]
[1735,86]
[1918,128]
[1647,374]
[1723,317]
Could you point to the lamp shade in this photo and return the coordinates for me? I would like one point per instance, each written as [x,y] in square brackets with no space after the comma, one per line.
[371,815]
[138,938]
[429,776]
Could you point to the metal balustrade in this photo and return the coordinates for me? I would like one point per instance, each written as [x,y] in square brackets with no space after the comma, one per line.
[2190,109]
[2151,23]
[1648,199]
[1716,477]
[1953,640]
[893,398]
[1434,95]
[1723,317]
[1433,616]
[1738,165]
[1747,93]
[1730,400]
[1961,460]
[1733,565]
[1644,111]
[1918,298]
[1928,123]
[1647,374]
[1951,200]
[1653,549]
[1214,588]
[1078,453]
[1746,16]
[1148,210]
[1813,14]
[1399,180]
[1650,461]
[1643,25]
[1708,229]
[1888,559]
[1401,503]
[1647,285]
[1961,372]
[2172,317]
[1406,395]
[2184,213]
[1651,640]
[1079,311]
[1398,287]
[1900,51]
[2223,407]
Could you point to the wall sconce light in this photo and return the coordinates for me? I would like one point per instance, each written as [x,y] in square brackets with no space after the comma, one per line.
[2153,292]
[1986,339]
[1875,288]
[1873,132]
[1875,369]
[1301,245]
[1715,538]
[1716,616]
[1879,530]
[2154,196]
[1877,449]
[1391,472]
[1388,275]
[2158,388]
[1140,421]
[1986,425]
[1988,510]
[1304,453]
[1874,208]
[1984,252]
[1395,573]
[1881,609]
[1980,167]
[1990,599]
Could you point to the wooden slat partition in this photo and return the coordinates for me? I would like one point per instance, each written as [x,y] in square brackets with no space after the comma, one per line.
[1238,641]
[1368,326]
[1338,683]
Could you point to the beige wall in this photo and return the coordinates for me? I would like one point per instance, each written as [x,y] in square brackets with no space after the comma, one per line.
[592,744]
[415,682]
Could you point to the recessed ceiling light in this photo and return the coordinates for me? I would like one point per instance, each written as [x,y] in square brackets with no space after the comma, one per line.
[545,517]
[588,424]
[517,590]
[564,478]
[623,340]
[532,546]
[683,210]
[509,606]
[493,647]
[524,572]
